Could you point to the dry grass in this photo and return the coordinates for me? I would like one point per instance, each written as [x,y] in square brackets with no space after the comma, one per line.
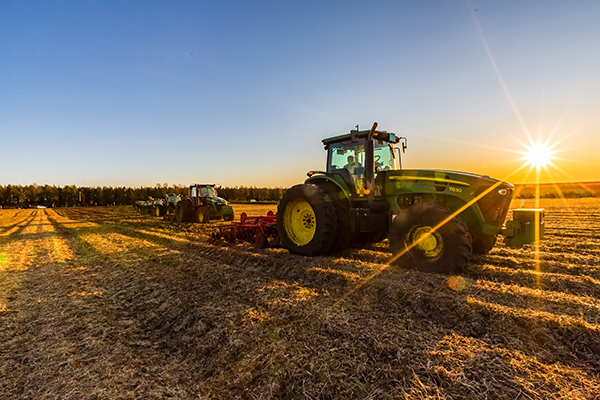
[105,303]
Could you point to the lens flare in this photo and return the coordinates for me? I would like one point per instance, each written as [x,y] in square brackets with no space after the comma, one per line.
[538,155]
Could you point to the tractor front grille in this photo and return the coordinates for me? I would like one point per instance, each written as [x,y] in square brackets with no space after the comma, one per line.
[440,200]
[494,206]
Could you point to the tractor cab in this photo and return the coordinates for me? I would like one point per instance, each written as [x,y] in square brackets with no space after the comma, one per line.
[203,191]
[357,157]
[198,194]
[204,197]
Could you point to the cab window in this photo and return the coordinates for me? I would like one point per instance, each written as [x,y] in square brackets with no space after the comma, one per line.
[345,155]
[383,156]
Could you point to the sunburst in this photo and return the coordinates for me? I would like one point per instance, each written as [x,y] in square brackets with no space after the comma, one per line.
[539,154]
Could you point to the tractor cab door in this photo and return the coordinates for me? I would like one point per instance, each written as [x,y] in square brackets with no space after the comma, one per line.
[385,158]
[196,195]
[347,159]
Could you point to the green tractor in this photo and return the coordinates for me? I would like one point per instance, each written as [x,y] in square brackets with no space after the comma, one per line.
[434,220]
[165,207]
[201,205]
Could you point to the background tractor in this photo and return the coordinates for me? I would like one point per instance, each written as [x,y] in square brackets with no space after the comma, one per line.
[166,206]
[145,206]
[202,204]
[158,206]
[434,220]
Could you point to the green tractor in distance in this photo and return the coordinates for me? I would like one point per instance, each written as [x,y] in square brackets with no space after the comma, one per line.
[166,206]
[434,220]
[201,205]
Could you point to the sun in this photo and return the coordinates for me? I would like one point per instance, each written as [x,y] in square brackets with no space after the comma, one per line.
[538,155]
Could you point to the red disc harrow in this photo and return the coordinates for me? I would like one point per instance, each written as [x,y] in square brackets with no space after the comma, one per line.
[262,230]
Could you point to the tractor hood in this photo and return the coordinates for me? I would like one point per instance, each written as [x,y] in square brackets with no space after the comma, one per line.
[446,176]
[217,200]
[476,176]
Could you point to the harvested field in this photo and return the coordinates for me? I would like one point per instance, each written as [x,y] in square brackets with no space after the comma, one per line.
[106,303]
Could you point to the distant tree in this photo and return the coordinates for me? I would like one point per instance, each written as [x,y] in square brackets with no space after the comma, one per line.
[71,195]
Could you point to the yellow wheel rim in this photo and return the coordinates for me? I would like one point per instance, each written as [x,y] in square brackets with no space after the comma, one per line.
[427,242]
[300,222]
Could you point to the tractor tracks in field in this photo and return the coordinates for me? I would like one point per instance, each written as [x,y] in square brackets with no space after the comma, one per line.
[118,301]
[32,249]
[191,246]
[61,324]
[25,244]
[188,249]
[39,310]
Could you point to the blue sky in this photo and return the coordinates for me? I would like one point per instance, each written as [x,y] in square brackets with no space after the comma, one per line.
[241,92]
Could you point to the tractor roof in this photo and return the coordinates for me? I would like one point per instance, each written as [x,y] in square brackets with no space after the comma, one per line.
[380,135]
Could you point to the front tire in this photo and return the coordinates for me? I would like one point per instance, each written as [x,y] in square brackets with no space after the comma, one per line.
[417,243]
[483,244]
[170,211]
[306,220]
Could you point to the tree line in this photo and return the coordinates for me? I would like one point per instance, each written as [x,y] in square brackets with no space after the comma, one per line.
[566,195]
[13,196]
[69,196]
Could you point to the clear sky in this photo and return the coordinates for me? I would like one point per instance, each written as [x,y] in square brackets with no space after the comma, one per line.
[134,93]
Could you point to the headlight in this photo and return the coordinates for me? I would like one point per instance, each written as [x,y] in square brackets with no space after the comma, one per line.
[502,192]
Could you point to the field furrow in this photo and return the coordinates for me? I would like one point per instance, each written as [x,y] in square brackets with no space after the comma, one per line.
[106,303]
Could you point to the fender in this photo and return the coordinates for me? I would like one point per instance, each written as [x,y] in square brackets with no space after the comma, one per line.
[318,178]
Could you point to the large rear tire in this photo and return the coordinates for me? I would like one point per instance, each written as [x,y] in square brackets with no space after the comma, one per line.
[343,236]
[179,213]
[306,220]
[202,216]
[419,239]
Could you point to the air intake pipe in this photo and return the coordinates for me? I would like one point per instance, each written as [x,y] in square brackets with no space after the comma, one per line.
[370,164]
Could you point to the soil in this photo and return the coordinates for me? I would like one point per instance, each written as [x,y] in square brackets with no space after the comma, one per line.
[101,302]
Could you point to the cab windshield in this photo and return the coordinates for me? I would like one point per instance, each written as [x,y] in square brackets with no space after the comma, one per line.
[204,191]
[208,191]
[350,155]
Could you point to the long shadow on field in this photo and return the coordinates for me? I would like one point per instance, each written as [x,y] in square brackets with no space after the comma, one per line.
[551,330]
[190,304]
[551,316]
[65,337]
[305,271]
[22,224]
[221,307]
